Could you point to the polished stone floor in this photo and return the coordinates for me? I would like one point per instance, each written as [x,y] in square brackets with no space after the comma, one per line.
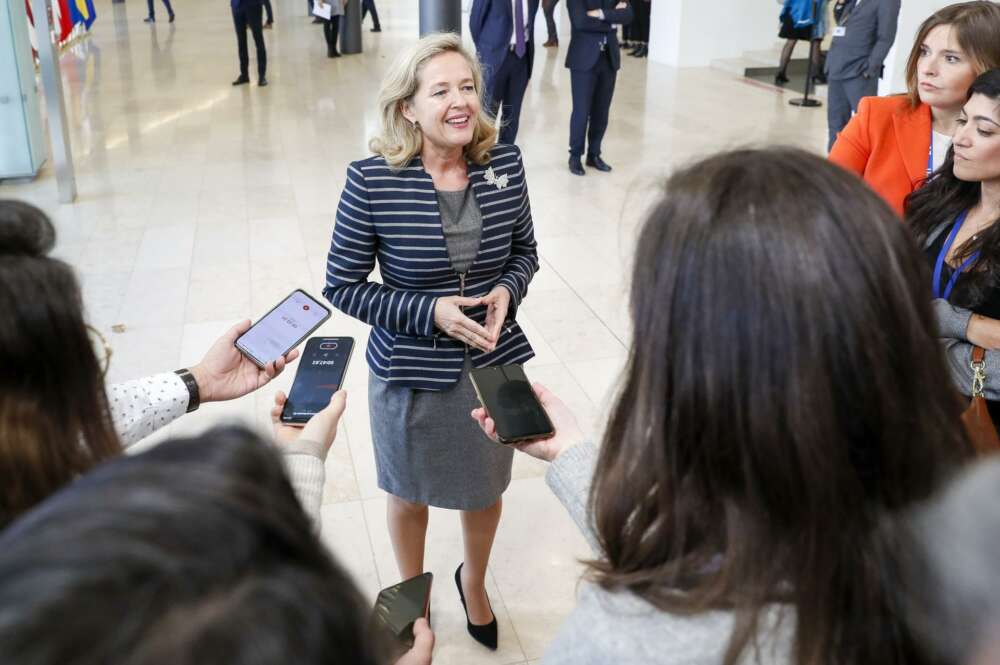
[200,204]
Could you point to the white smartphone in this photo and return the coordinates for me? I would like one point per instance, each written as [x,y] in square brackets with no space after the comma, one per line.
[283,328]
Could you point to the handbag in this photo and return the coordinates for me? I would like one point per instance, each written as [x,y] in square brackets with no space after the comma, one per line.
[978,424]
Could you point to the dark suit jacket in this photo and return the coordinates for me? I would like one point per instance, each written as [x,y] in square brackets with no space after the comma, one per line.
[491,23]
[871,30]
[589,33]
[237,5]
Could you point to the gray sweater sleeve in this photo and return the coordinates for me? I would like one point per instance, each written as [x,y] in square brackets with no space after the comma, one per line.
[570,477]
[952,323]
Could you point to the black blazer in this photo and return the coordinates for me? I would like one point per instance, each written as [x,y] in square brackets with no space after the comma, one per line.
[491,23]
[589,33]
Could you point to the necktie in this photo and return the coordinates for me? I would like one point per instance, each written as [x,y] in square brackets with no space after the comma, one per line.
[519,47]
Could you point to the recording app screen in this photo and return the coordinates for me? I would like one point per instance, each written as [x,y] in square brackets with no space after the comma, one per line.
[321,372]
[286,324]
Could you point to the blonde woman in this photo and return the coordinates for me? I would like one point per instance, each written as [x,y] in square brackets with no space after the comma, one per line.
[445,211]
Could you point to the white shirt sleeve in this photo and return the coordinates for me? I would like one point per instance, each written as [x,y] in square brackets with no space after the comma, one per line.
[142,406]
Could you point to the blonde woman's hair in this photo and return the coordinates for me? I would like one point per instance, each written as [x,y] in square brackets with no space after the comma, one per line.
[399,141]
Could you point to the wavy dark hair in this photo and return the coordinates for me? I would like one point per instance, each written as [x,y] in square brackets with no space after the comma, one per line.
[944,198]
[54,418]
[196,552]
[783,394]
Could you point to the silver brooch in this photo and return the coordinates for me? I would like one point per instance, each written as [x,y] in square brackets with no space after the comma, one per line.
[491,177]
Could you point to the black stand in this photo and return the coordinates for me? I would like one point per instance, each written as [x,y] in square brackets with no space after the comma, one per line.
[805,101]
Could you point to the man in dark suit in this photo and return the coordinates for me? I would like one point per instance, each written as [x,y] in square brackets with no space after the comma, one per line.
[250,14]
[593,60]
[862,38]
[502,31]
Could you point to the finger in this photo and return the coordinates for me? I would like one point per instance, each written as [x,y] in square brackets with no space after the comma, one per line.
[490,427]
[423,636]
[541,391]
[237,330]
[291,356]
[323,426]
[269,371]
[466,302]
[279,406]
[471,326]
[279,366]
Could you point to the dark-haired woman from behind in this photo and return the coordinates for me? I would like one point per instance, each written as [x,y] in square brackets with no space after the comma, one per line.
[955,219]
[766,426]
[204,556]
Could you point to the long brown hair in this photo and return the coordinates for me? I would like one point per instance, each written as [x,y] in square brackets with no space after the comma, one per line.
[54,418]
[977,27]
[784,392]
[944,198]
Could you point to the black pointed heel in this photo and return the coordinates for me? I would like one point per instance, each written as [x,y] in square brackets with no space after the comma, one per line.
[485,635]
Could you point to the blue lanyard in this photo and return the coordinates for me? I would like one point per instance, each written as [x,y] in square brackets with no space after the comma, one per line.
[940,261]
[930,157]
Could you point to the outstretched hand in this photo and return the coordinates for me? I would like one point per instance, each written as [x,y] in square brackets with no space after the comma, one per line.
[225,373]
[568,432]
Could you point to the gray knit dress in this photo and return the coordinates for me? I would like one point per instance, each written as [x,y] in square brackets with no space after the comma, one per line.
[428,449]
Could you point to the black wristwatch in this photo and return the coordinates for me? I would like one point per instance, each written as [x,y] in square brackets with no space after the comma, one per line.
[194,396]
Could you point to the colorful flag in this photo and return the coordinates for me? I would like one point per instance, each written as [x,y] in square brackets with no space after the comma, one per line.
[83,12]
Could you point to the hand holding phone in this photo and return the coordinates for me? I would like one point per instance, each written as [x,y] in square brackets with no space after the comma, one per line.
[283,328]
[505,393]
[397,610]
[321,373]
[321,428]
[567,430]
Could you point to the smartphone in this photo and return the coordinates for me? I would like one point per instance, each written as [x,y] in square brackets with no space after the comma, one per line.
[321,373]
[283,328]
[506,394]
[398,607]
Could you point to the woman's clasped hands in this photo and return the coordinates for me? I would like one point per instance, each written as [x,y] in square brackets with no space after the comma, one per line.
[450,318]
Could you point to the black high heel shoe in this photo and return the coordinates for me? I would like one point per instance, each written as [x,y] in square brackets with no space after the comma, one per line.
[485,635]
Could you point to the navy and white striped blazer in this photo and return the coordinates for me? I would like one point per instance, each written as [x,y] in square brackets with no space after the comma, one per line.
[394,216]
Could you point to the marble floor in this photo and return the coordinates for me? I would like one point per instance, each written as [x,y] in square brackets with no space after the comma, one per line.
[201,204]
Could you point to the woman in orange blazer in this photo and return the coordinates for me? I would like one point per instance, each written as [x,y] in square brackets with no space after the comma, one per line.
[895,142]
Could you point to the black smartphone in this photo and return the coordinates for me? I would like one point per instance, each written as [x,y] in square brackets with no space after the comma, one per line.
[506,394]
[283,328]
[321,373]
[398,607]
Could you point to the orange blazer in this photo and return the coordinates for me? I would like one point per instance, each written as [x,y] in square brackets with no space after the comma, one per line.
[887,143]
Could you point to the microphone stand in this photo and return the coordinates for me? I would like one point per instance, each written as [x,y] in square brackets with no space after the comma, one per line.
[805,101]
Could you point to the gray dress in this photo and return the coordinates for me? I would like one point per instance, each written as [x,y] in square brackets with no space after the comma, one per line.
[428,449]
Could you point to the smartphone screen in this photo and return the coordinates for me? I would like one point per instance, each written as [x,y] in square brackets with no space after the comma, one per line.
[399,606]
[321,373]
[506,394]
[283,328]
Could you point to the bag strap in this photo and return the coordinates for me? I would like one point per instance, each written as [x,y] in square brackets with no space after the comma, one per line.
[978,366]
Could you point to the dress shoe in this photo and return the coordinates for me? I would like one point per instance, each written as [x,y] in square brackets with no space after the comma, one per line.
[780,78]
[643,51]
[332,53]
[598,164]
[551,43]
[172,17]
[149,19]
[262,82]
[376,29]
[636,50]
[317,20]
[243,80]
[575,167]
[269,25]
[486,634]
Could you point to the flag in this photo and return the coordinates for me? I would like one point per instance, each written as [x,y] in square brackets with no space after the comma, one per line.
[82,12]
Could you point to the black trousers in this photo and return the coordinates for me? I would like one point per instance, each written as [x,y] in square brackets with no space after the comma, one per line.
[369,6]
[592,93]
[251,17]
[549,9]
[505,89]
[166,3]
[331,30]
[639,30]
[269,10]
